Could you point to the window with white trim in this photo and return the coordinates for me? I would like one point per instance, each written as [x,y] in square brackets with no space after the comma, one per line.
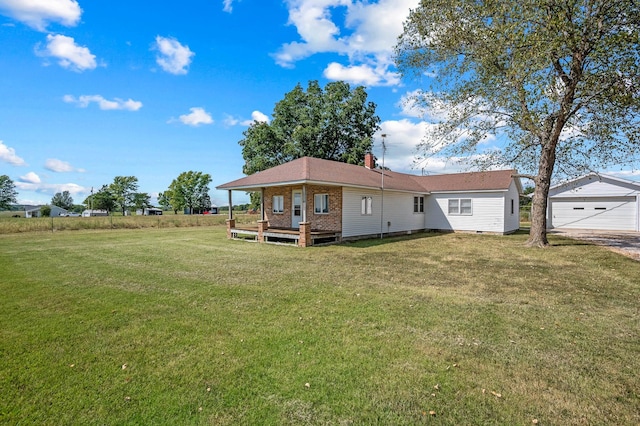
[366,204]
[278,204]
[460,206]
[418,204]
[321,203]
[513,206]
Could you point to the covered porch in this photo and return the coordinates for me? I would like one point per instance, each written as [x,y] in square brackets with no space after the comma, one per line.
[292,222]
[302,237]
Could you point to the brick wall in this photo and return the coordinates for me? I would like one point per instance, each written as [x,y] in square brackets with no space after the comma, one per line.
[331,221]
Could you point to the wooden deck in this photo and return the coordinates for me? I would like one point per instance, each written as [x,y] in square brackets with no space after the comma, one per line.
[283,235]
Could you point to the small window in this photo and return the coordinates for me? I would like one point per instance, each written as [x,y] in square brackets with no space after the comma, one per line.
[578,208]
[418,204]
[600,208]
[513,206]
[321,203]
[460,206]
[454,206]
[278,203]
[366,204]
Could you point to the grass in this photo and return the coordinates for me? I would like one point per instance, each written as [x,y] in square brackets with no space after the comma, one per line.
[181,326]
[11,225]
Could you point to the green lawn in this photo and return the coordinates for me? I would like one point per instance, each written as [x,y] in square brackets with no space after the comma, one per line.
[181,326]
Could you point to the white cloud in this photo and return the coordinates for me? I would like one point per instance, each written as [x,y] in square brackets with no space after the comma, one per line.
[51,188]
[60,166]
[39,13]
[30,177]
[362,74]
[8,155]
[410,106]
[173,57]
[255,116]
[68,53]
[227,6]
[104,104]
[368,37]
[197,117]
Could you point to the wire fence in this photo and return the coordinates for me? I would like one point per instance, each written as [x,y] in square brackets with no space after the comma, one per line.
[13,225]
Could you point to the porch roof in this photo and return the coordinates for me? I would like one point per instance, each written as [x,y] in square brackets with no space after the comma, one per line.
[308,170]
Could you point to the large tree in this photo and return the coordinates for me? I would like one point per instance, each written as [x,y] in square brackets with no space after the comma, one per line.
[141,201]
[8,192]
[191,190]
[103,199]
[556,82]
[63,199]
[124,189]
[164,199]
[336,123]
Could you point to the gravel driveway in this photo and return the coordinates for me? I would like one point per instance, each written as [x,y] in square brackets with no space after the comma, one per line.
[623,242]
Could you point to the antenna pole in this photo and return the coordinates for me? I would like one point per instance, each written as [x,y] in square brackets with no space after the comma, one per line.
[384,149]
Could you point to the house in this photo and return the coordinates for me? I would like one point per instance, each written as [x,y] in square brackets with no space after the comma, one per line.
[595,201]
[36,212]
[310,200]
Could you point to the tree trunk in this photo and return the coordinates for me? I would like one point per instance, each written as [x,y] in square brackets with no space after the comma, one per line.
[538,231]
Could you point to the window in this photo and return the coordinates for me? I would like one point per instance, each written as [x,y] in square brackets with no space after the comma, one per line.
[418,204]
[278,203]
[600,208]
[367,202]
[454,206]
[321,203]
[460,206]
[578,208]
[513,208]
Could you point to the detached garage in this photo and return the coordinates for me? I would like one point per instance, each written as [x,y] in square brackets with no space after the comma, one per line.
[597,202]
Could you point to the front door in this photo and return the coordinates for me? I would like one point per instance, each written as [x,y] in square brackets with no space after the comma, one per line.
[296,209]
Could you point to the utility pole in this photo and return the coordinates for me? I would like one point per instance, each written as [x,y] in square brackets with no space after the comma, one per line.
[384,149]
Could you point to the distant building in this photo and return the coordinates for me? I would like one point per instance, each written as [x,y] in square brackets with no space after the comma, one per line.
[34,211]
[92,213]
[151,211]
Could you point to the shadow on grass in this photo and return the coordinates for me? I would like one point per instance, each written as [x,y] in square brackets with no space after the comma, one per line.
[374,242]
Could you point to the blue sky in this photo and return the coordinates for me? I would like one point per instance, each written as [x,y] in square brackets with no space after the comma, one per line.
[90,90]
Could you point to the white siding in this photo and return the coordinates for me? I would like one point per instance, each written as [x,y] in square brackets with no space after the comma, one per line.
[605,213]
[398,213]
[512,221]
[592,186]
[573,205]
[488,212]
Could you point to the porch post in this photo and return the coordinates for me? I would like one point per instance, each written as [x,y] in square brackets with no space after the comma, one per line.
[262,215]
[263,225]
[231,222]
[305,235]
[304,203]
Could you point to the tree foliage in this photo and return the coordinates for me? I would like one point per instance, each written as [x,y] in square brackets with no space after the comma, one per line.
[190,190]
[336,123]
[8,192]
[164,199]
[141,200]
[555,83]
[62,199]
[103,199]
[124,189]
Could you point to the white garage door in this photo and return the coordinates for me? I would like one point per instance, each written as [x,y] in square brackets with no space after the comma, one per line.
[611,213]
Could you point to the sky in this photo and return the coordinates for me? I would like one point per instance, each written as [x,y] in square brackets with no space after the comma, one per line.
[90,90]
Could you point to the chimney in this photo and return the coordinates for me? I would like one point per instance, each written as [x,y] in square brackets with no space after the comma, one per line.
[369,161]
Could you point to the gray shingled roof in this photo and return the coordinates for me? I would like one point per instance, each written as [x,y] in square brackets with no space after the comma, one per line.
[317,171]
